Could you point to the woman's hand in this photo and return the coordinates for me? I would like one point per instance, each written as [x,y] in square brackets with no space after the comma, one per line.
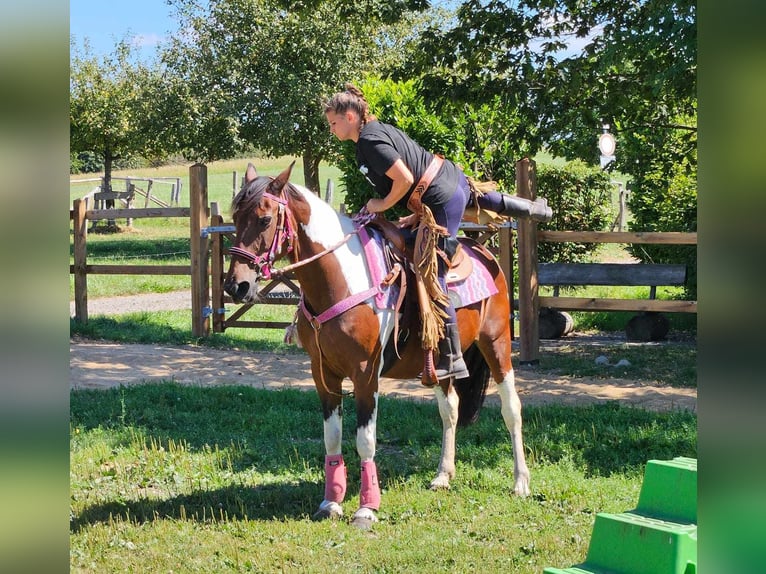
[410,220]
[376,205]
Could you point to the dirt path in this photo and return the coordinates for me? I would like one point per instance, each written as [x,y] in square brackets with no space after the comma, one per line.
[101,365]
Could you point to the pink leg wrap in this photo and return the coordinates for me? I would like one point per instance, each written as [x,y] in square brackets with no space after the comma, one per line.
[335,478]
[369,495]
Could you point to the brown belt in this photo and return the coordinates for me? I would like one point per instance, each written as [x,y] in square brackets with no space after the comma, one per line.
[414,203]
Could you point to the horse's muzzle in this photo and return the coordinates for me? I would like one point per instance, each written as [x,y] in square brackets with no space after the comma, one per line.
[242,292]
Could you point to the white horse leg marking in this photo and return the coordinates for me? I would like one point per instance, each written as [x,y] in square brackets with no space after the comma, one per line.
[448,409]
[333,429]
[365,435]
[511,409]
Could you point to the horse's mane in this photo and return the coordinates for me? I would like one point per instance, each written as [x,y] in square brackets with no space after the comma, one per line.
[249,195]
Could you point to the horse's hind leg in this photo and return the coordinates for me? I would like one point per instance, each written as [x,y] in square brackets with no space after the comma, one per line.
[495,345]
[511,409]
[448,410]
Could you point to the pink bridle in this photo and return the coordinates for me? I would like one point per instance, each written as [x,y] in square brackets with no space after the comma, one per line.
[284,233]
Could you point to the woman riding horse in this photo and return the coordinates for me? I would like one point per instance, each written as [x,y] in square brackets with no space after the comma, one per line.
[402,172]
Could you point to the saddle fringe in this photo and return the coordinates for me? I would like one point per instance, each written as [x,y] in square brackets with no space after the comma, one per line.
[432,299]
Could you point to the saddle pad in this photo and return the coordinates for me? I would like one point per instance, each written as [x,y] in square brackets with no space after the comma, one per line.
[477,286]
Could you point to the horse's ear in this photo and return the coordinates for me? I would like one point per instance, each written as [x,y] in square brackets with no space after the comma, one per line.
[281,180]
[250,174]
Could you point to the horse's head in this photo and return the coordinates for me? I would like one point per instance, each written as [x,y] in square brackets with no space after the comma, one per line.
[264,232]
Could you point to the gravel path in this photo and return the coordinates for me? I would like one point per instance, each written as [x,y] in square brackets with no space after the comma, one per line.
[131,303]
[100,365]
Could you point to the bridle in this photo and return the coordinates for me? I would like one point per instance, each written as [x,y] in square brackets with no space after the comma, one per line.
[284,234]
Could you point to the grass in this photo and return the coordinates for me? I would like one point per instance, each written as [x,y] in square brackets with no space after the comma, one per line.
[220,179]
[177,478]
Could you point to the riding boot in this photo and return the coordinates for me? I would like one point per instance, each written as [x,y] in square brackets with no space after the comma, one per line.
[514,206]
[451,363]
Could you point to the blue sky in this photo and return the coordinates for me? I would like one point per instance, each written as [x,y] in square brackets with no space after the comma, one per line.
[145,22]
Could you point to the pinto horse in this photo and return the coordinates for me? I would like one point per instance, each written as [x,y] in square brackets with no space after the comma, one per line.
[347,335]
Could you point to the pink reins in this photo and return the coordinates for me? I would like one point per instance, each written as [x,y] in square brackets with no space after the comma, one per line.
[285,233]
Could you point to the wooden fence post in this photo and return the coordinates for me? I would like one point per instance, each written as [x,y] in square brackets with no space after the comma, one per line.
[199,250]
[216,269]
[529,304]
[80,261]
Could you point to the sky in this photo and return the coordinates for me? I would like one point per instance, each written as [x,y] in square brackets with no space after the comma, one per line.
[145,23]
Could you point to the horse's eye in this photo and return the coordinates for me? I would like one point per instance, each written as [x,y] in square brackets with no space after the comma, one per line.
[265,221]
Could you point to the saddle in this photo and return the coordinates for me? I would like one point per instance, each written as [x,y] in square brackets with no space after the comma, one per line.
[459,264]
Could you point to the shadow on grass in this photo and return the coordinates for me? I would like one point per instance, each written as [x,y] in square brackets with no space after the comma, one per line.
[279,434]
[286,501]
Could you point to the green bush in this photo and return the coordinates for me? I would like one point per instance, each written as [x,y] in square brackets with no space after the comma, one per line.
[664,199]
[581,199]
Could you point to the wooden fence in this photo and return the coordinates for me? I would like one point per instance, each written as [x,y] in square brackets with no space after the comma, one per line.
[207,230]
[199,216]
[530,302]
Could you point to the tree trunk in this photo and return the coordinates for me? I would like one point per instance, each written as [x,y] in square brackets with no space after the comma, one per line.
[311,171]
[107,186]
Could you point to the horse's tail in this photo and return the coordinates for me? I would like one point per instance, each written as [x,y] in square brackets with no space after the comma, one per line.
[473,389]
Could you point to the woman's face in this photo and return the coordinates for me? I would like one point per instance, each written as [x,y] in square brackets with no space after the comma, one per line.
[345,125]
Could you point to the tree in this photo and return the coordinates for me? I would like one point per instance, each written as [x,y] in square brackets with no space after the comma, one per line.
[107,98]
[565,68]
[636,69]
[271,63]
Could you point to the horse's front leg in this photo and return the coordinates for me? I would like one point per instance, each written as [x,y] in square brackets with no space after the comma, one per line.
[369,490]
[334,466]
[448,409]
[511,409]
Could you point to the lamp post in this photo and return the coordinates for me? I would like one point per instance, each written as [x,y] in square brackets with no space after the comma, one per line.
[606,145]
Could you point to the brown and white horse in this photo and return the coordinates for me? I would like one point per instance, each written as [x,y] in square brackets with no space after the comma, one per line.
[347,335]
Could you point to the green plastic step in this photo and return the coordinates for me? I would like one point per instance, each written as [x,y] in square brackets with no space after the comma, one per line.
[669,490]
[658,537]
[631,544]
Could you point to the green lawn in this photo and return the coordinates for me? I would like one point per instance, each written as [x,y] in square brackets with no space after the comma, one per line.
[165,477]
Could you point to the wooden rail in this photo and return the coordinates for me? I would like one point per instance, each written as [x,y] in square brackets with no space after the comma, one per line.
[617,274]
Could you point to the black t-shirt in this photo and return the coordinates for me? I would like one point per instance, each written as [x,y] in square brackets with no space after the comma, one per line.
[378,148]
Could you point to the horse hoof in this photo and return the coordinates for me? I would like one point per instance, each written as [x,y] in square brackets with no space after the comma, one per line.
[364,518]
[521,488]
[441,482]
[331,511]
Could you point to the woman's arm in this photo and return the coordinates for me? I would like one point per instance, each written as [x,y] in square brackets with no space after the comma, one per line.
[402,180]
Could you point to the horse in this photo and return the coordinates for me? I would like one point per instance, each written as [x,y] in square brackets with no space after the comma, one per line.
[347,335]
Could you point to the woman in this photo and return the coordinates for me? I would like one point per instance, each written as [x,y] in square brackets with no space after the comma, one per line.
[396,165]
